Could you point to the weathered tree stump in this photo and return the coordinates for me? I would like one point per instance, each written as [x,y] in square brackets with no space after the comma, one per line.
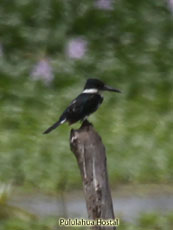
[89,151]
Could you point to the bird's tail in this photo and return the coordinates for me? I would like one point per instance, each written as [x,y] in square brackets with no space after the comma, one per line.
[54,126]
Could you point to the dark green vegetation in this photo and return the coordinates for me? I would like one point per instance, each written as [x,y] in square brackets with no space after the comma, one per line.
[130,47]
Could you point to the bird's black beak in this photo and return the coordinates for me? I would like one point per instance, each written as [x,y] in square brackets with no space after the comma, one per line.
[109,88]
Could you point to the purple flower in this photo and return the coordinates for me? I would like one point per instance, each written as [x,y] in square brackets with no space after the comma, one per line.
[76,48]
[43,71]
[104,4]
[170,3]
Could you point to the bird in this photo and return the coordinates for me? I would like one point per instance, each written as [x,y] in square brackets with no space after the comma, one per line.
[84,104]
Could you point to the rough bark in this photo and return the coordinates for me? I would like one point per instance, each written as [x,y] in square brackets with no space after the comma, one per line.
[90,153]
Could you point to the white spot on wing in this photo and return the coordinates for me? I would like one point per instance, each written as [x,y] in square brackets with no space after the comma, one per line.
[73,102]
[63,121]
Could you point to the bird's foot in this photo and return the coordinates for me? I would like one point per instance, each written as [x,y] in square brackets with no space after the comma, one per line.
[86,123]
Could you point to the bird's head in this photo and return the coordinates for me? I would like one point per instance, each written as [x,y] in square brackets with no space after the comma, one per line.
[95,85]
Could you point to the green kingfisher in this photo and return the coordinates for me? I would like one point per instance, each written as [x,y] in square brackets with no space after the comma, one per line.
[83,105]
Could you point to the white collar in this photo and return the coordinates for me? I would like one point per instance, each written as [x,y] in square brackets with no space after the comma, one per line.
[90,91]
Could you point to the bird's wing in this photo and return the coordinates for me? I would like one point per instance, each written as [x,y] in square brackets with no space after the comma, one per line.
[79,103]
[81,106]
[75,106]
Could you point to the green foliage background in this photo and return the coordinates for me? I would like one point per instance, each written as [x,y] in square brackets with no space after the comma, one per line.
[129,47]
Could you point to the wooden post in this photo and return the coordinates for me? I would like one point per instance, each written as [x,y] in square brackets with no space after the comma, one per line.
[89,151]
